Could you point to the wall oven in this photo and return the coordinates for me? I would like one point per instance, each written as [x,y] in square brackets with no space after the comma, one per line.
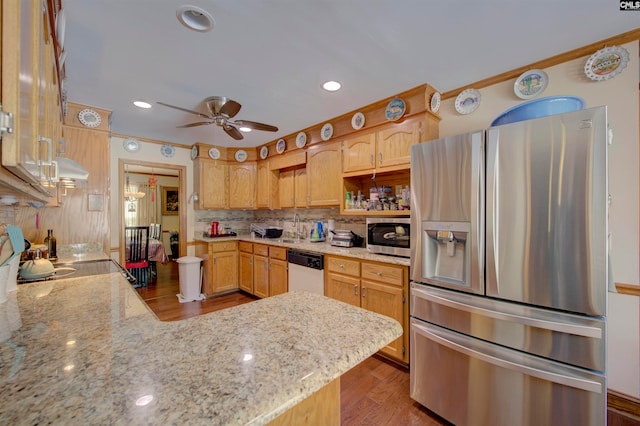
[389,236]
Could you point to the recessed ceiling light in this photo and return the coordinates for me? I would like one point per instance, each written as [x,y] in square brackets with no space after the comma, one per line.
[331,86]
[195,18]
[142,104]
[244,129]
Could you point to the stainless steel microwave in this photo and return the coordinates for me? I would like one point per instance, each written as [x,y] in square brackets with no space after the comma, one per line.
[389,236]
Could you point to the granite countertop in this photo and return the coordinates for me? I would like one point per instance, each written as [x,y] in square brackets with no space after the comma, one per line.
[319,247]
[88,350]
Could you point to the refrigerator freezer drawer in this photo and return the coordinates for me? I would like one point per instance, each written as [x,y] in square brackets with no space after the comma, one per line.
[471,382]
[572,339]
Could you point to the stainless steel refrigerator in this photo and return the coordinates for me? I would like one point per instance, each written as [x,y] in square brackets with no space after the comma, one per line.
[509,268]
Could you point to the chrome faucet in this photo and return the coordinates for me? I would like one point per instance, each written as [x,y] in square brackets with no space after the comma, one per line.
[296,224]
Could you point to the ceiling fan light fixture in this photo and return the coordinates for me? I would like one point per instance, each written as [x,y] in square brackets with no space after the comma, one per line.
[142,104]
[244,129]
[331,86]
[195,18]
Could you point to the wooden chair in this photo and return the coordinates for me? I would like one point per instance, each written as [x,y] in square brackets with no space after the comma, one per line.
[137,253]
[155,233]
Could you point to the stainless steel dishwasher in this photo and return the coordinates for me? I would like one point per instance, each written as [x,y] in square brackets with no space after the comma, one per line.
[306,271]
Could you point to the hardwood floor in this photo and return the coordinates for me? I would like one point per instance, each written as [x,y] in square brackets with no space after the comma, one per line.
[375,392]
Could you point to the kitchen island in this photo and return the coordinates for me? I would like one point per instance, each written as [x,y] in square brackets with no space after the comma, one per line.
[89,351]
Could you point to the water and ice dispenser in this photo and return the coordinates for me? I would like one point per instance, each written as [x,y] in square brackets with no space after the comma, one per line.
[446,253]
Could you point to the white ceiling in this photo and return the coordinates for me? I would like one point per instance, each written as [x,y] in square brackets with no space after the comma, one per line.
[272,56]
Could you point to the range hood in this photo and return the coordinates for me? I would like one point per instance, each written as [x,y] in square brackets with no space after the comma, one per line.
[71,172]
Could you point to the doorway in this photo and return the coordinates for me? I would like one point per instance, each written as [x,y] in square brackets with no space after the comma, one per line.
[143,167]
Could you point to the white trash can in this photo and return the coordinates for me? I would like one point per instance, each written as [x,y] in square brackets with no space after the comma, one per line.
[190,273]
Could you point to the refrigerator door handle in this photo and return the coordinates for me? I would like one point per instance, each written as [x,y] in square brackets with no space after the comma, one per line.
[575,382]
[477,182]
[492,237]
[561,327]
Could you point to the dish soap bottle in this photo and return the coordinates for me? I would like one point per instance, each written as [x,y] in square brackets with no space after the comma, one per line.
[50,242]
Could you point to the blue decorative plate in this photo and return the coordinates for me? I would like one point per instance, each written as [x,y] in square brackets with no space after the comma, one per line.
[395,109]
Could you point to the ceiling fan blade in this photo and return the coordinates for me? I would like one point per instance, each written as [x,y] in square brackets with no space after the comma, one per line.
[233,132]
[255,125]
[230,108]
[199,123]
[184,109]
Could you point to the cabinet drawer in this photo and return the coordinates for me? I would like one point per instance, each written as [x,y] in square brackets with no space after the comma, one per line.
[389,274]
[245,246]
[261,250]
[224,246]
[278,253]
[343,266]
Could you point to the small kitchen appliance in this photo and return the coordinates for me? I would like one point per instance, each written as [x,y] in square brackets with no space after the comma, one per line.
[389,236]
[345,238]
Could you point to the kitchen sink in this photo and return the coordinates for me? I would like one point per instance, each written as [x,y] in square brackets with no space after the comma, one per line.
[290,241]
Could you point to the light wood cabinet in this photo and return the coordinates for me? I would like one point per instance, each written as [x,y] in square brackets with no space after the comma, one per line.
[211,183]
[293,188]
[324,175]
[30,91]
[270,271]
[267,187]
[242,185]
[386,149]
[220,271]
[245,272]
[375,286]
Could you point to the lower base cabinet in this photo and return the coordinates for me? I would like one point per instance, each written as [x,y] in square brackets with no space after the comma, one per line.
[377,287]
[220,266]
[245,272]
[270,276]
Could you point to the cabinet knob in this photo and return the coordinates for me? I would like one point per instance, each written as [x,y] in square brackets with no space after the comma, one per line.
[379,274]
[355,290]
[341,266]
[371,159]
[363,291]
[380,157]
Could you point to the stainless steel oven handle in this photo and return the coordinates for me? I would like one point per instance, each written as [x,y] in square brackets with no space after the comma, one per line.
[578,330]
[574,382]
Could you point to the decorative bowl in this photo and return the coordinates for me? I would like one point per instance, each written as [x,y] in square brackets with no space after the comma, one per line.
[540,108]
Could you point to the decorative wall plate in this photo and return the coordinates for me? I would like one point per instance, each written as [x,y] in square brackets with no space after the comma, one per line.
[264,152]
[301,139]
[61,23]
[194,152]
[435,101]
[606,63]
[530,84]
[241,155]
[395,109]
[214,153]
[467,101]
[281,145]
[357,121]
[89,118]
[326,132]
[168,150]
[131,145]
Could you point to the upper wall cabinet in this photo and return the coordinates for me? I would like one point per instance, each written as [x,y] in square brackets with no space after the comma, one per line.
[211,182]
[30,91]
[386,149]
[242,185]
[324,183]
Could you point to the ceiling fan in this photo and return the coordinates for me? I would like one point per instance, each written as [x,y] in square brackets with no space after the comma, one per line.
[221,111]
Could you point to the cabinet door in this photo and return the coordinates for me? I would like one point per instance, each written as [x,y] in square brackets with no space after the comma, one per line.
[385,300]
[22,64]
[211,183]
[242,186]
[394,143]
[261,276]
[300,187]
[324,176]
[225,271]
[340,287]
[245,281]
[358,153]
[286,189]
[278,277]
[266,186]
